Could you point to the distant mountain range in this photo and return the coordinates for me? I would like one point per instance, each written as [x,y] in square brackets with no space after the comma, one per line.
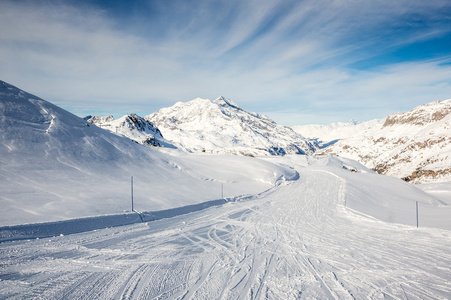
[414,146]
[205,126]
[326,135]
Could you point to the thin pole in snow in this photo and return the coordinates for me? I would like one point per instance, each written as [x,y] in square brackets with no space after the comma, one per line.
[417,213]
[132,191]
[222,190]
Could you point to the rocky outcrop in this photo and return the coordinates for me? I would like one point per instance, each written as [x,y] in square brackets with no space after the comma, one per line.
[414,146]
[132,126]
[421,115]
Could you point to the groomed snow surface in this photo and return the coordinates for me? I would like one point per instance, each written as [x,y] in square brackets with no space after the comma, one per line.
[304,238]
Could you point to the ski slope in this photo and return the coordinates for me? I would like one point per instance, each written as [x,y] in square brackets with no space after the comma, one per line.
[300,239]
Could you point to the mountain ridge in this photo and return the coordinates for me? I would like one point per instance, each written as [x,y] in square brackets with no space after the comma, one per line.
[221,126]
[414,146]
[133,127]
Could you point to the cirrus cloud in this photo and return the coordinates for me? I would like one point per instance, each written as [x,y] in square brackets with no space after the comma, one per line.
[298,62]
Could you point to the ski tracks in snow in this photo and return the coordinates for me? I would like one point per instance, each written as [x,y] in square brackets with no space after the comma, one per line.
[295,241]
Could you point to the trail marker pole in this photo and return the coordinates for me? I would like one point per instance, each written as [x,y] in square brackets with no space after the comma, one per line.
[132,192]
[222,190]
[417,213]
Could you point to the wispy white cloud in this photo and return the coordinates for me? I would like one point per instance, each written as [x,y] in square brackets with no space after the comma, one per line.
[269,56]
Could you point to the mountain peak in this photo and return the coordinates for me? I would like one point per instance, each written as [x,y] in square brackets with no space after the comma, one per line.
[222,101]
[220,126]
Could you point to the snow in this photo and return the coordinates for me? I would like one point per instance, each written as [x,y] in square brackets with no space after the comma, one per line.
[287,227]
[56,166]
[328,134]
[440,190]
[415,141]
[133,127]
[221,127]
[295,240]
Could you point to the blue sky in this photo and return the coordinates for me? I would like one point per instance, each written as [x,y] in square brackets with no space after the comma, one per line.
[299,62]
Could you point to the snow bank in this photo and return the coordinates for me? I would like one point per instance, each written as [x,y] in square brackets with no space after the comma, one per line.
[49,229]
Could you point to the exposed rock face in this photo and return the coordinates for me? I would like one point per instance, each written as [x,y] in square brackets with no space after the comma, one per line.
[416,175]
[132,126]
[421,115]
[220,126]
[414,146]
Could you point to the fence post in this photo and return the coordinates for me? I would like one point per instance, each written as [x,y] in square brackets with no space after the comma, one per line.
[132,192]
[417,213]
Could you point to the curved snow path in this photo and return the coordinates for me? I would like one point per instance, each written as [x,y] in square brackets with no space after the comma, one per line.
[297,241]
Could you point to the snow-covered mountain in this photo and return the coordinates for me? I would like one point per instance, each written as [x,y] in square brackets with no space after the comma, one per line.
[326,135]
[414,146]
[55,165]
[220,126]
[132,126]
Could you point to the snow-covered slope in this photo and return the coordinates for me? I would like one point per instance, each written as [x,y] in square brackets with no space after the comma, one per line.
[55,165]
[132,126]
[328,134]
[220,126]
[302,240]
[415,145]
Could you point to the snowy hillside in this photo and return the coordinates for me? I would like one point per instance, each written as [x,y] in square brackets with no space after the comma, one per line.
[132,126]
[55,165]
[331,133]
[302,240]
[415,145]
[220,126]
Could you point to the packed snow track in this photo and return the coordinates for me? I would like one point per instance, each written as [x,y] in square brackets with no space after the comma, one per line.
[295,241]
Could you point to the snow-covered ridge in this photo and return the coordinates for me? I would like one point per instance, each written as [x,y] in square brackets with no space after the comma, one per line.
[414,146]
[421,115]
[221,126]
[132,126]
[328,134]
